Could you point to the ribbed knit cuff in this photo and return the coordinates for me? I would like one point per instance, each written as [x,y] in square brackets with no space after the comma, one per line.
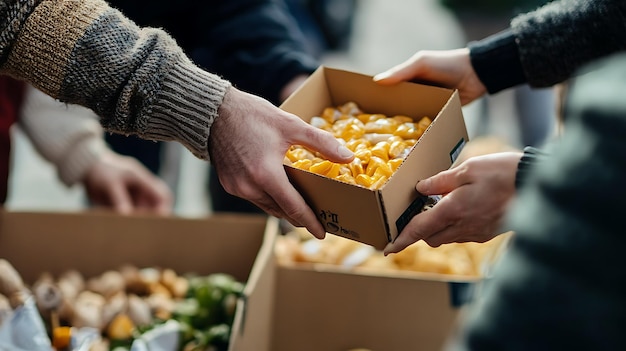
[75,164]
[496,61]
[186,107]
[530,157]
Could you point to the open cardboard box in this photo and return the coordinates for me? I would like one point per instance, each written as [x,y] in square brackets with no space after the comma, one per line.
[298,308]
[375,217]
[315,307]
[34,242]
[93,242]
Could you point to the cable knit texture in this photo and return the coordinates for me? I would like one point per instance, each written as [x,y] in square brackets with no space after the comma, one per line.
[529,160]
[136,79]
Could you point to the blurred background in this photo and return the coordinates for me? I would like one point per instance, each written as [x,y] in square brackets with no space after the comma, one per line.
[365,36]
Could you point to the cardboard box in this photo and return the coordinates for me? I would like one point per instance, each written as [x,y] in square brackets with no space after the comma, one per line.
[375,217]
[34,242]
[321,306]
[93,242]
[304,309]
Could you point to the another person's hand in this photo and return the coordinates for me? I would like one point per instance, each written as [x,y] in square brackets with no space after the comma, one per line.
[476,195]
[124,185]
[247,147]
[450,69]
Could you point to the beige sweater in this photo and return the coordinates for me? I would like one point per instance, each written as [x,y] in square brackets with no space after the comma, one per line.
[68,136]
[136,79]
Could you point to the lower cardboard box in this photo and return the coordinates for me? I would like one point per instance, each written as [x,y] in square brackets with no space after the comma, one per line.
[312,307]
[94,242]
[298,307]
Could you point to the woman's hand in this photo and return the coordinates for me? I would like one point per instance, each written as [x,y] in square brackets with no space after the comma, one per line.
[450,69]
[126,186]
[476,195]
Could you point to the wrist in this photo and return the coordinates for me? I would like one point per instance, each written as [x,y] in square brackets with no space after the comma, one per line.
[496,61]
[529,158]
[76,164]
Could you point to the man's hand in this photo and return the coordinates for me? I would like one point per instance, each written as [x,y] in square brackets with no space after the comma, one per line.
[247,147]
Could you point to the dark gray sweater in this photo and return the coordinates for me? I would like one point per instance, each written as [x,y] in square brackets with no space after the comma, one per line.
[546,46]
[561,285]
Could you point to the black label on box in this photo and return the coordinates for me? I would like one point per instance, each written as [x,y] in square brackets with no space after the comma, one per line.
[456,150]
[422,203]
[414,208]
[330,220]
[461,293]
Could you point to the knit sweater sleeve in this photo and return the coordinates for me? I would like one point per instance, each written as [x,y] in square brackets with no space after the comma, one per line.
[496,61]
[561,37]
[529,159]
[562,276]
[547,46]
[137,80]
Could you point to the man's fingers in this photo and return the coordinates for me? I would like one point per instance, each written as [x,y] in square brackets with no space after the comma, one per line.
[297,211]
[322,141]
[274,194]
[444,182]
[272,208]
[120,199]
[421,227]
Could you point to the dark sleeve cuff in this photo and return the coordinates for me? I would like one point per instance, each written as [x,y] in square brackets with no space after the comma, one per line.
[496,61]
[531,157]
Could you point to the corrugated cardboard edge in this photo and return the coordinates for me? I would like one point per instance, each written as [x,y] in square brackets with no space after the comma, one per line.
[56,241]
[399,187]
[253,333]
[342,311]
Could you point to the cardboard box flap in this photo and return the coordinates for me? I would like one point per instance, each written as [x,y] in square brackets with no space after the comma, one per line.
[316,86]
[36,242]
[326,203]
[258,298]
[389,100]
[339,311]
[333,87]
[435,151]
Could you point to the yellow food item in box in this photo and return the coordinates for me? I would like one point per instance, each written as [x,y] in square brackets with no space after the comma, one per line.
[380,144]
[459,259]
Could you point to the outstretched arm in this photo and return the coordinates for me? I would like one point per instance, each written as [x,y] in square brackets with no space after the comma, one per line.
[139,81]
[70,137]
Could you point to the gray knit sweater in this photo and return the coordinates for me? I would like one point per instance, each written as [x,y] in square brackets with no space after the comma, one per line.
[564,35]
[561,284]
[546,46]
[136,79]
